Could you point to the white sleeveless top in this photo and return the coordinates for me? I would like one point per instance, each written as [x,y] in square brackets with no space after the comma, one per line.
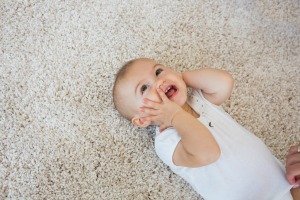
[245,170]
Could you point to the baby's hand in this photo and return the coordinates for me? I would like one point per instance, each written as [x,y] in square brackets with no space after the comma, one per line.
[293,166]
[160,113]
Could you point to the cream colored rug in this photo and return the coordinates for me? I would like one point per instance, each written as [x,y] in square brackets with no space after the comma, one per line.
[60,137]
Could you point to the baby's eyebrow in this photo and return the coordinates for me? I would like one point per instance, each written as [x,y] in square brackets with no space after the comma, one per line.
[156,65]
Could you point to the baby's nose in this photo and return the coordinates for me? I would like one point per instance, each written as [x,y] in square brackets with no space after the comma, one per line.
[160,84]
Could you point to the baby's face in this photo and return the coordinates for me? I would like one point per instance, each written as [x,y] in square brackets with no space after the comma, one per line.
[142,81]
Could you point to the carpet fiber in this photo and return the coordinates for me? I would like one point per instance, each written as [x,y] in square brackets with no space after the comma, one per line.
[60,137]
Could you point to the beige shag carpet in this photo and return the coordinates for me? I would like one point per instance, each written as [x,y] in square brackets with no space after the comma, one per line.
[60,137]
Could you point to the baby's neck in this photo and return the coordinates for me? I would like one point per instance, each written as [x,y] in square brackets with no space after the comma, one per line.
[190,110]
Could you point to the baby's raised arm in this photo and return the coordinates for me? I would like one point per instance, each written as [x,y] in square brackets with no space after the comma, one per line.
[197,146]
[216,85]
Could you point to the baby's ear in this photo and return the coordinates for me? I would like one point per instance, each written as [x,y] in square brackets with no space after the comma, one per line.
[139,123]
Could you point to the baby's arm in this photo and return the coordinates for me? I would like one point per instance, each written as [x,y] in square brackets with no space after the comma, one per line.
[216,85]
[197,146]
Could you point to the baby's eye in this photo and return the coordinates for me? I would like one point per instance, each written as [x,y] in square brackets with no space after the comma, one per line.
[143,88]
[158,71]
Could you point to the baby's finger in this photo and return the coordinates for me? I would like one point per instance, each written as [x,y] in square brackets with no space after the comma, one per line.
[292,171]
[162,95]
[150,111]
[151,104]
[145,118]
[151,118]
[294,149]
[293,159]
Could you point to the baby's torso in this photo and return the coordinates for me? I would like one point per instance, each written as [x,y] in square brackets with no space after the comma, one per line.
[246,168]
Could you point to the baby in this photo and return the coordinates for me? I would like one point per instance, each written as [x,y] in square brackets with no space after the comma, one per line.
[195,137]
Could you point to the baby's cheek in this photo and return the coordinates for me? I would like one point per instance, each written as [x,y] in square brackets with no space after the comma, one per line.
[181,101]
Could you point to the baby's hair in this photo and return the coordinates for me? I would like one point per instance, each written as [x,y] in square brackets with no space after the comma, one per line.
[116,96]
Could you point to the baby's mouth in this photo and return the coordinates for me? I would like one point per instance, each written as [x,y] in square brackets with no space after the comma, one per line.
[171,91]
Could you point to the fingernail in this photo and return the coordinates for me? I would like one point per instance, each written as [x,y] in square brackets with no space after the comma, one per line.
[296,186]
